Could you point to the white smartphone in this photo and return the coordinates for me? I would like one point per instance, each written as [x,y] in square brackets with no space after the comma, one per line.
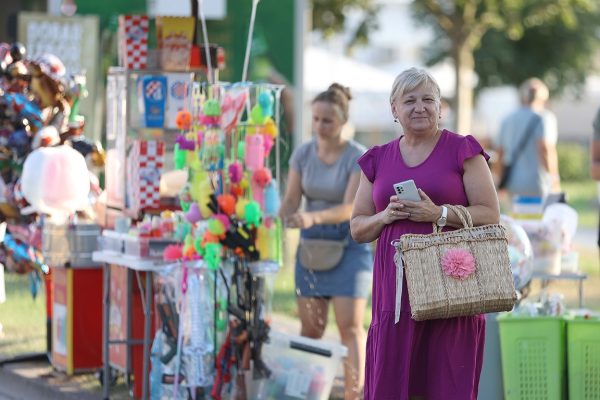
[407,190]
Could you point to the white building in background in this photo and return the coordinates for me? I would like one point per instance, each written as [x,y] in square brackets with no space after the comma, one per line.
[397,45]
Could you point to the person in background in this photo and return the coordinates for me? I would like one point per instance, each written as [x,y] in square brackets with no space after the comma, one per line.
[595,164]
[437,359]
[324,172]
[527,142]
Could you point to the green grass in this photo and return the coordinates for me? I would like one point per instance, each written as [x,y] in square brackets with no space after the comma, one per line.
[284,297]
[22,317]
[583,197]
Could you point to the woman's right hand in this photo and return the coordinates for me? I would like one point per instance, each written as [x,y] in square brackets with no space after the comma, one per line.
[394,211]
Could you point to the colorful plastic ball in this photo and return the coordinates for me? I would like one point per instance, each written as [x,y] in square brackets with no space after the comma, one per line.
[183,119]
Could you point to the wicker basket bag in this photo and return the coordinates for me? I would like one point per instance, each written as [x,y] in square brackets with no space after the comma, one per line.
[457,273]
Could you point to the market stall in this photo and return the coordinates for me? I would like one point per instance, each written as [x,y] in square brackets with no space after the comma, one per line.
[192,236]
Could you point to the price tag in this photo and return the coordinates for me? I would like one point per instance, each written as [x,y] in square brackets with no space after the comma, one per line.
[297,384]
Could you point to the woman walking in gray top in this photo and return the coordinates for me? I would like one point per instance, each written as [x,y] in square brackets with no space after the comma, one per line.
[324,171]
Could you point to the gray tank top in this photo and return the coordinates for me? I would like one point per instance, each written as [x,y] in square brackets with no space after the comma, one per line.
[324,185]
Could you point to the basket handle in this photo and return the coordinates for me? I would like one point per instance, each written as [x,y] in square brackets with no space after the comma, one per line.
[463,214]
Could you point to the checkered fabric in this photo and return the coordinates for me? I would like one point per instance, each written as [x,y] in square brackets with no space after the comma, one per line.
[133,41]
[145,165]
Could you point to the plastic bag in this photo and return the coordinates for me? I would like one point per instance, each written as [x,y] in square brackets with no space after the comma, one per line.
[56,181]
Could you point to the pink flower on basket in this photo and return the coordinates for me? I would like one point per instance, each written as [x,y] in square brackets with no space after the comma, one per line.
[458,263]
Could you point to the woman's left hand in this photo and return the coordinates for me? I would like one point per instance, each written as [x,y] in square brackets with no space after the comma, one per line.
[422,211]
[301,220]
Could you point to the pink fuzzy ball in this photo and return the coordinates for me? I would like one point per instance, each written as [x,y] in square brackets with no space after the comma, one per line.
[173,252]
[458,263]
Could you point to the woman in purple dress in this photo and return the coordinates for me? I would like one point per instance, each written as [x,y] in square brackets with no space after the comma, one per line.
[435,359]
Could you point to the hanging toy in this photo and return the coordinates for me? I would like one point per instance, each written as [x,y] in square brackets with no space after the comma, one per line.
[240,208]
[270,128]
[255,152]
[226,203]
[184,143]
[212,255]
[216,226]
[265,100]
[183,120]
[257,115]
[260,179]
[252,214]
[193,215]
[266,242]
[241,150]
[173,252]
[179,157]
[211,113]
[236,172]
[268,143]
[236,190]
[182,230]
[272,200]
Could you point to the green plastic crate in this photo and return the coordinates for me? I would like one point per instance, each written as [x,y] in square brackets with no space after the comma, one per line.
[533,357]
[583,353]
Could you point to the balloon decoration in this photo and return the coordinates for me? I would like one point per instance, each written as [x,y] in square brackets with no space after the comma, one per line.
[44,157]
[520,252]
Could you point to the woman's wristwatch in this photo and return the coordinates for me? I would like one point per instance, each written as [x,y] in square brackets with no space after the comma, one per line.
[443,219]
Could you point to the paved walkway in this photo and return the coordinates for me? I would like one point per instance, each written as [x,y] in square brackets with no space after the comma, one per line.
[38,380]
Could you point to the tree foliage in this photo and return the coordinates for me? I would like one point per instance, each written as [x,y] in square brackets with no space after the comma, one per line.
[460,27]
[561,54]
[329,17]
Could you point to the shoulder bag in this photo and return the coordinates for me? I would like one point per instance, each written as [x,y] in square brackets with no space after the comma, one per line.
[455,273]
[507,168]
[321,254]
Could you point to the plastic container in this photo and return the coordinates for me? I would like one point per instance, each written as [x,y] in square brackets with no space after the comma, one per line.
[112,241]
[583,350]
[533,357]
[546,244]
[570,263]
[527,206]
[145,247]
[72,243]
[301,368]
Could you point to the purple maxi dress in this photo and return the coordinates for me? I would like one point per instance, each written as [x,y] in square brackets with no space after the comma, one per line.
[436,359]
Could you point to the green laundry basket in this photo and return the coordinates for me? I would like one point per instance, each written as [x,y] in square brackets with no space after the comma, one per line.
[533,357]
[583,352]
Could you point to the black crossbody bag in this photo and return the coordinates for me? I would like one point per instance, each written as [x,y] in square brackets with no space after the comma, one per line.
[506,172]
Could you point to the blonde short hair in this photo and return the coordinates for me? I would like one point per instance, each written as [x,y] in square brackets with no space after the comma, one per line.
[533,89]
[413,78]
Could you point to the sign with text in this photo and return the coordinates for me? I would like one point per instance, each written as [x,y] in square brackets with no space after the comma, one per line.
[75,40]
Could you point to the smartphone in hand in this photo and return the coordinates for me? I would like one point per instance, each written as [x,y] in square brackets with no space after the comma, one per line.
[407,190]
